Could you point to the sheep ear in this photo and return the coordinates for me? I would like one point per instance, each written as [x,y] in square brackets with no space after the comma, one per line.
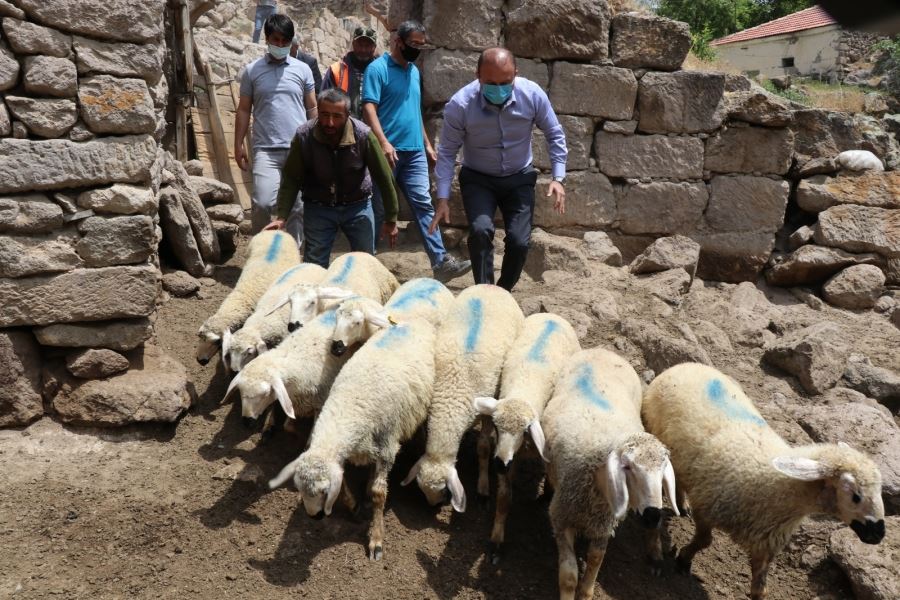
[226,348]
[231,387]
[294,319]
[413,472]
[261,347]
[485,405]
[537,436]
[669,482]
[283,398]
[284,474]
[334,490]
[457,492]
[616,485]
[284,300]
[334,293]
[804,469]
[378,319]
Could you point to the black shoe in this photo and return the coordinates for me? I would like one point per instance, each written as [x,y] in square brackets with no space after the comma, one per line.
[451,268]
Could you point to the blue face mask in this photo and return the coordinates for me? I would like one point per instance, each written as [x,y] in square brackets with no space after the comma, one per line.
[497,94]
[279,53]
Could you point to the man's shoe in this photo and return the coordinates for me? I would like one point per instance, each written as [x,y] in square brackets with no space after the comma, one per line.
[451,268]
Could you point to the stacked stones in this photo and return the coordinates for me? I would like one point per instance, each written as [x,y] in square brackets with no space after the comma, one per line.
[83,96]
[218,198]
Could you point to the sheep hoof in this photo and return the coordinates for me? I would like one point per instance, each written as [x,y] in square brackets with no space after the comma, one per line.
[685,511]
[495,553]
[656,566]
[376,552]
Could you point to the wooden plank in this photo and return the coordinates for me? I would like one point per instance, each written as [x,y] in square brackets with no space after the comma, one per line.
[219,147]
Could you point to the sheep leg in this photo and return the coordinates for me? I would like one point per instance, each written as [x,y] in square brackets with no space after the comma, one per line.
[347,497]
[484,457]
[759,569]
[654,550]
[681,498]
[378,493]
[596,552]
[504,500]
[568,564]
[702,539]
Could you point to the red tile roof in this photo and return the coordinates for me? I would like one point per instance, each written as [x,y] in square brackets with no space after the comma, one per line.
[809,18]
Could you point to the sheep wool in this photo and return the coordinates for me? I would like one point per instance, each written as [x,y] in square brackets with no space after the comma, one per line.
[362,273]
[422,297]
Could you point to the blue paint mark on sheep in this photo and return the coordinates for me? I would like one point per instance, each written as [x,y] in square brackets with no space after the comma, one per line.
[584,385]
[341,277]
[392,334]
[421,291]
[274,248]
[728,404]
[536,353]
[288,273]
[328,318]
[476,316]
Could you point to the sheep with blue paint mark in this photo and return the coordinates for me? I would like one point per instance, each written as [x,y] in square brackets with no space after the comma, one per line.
[742,477]
[544,347]
[270,253]
[601,463]
[379,399]
[472,342]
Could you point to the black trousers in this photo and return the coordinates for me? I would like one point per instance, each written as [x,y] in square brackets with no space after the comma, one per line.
[514,195]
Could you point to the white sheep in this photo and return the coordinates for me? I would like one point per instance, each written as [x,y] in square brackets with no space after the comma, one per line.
[379,400]
[742,478]
[472,342]
[602,462]
[543,348]
[859,160]
[270,253]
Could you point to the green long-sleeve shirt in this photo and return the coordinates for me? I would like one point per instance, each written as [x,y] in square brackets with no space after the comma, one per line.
[292,177]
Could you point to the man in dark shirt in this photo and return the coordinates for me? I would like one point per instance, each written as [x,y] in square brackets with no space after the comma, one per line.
[347,73]
[310,61]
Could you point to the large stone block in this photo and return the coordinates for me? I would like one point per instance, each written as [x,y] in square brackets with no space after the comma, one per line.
[23,255]
[815,355]
[750,150]
[607,92]
[120,199]
[177,233]
[734,256]
[811,264]
[563,29]
[34,213]
[120,59]
[53,164]
[860,229]
[746,203]
[9,69]
[8,10]
[115,335]
[641,41]
[212,191]
[116,241]
[207,241]
[682,102]
[112,105]
[122,20]
[881,189]
[579,138]
[50,76]
[464,24]
[444,72]
[590,202]
[20,379]
[5,123]
[637,156]
[758,108]
[857,287]
[538,72]
[820,133]
[661,207]
[95,363]
[44,117]
[80,295]
[31,38]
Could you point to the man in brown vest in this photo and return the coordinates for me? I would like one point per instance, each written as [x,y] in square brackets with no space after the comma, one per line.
[347,73]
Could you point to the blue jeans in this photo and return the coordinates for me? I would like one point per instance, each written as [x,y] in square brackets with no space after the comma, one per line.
[321,224]
[411,174]
[262,13]
[267,166]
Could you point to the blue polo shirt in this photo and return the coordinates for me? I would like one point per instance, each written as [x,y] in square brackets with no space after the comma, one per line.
[277,89]
[398,93]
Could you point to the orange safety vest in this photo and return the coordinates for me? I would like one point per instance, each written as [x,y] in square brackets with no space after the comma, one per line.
[340,74]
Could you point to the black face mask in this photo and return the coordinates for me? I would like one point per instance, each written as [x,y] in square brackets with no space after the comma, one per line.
[409,53]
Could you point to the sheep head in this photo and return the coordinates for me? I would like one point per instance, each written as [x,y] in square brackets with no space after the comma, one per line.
[513,418]
[356,320]
[319,481]
[242,348]
[439,481]
[208,344]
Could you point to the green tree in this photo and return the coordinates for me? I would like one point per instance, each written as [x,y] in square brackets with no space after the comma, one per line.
[721,17]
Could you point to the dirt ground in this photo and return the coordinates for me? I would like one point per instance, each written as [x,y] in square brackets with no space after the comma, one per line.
[178,511]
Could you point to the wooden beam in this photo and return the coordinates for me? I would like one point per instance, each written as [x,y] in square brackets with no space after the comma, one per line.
[220,145]
[235,99]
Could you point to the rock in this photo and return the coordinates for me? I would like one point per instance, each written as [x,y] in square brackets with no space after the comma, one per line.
[815,355]
[750,150]
[875,382]
[120,199]
[5,123]
[811,265]
[856,287]
[444,72]
[758,108]
[874,571]
[712,337]
[895,318]
[668,253]
[817,166]
[115,335]
[177,233]
[892,271]
[598,246]
[27,165]
[207,241]
[121,20]
[113,105]
[21,256]
[105,293]
[623,127]
[746,203]
[9,69]
[194,168]
[860,229]
[44,117]
[180,284]
[649,156]
[34,213]
[676,207]
[669,286]
[781,82]
[564,29]
[537,72]
[155,388]
[19,131]
[80,133]
[825,133]
[885,304]
[230,213]
[117,240]
[8,10]
[551,252]
[604,307]
[30,38]
[464,24]
[646,41]
[579,132]
[211,191]
[20,379]
[681,102]
[595,91]
[874,104]
[227,234]
[144,61]
[95,363]
[590,202]
[802,236]
[50,76]
[878,189]
[660,349]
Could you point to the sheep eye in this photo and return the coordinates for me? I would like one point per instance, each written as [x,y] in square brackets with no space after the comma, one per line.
[857,498]
[626,467]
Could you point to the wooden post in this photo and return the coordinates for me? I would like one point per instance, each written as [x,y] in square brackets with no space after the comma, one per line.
[220,144]
[184,86]
[235,98]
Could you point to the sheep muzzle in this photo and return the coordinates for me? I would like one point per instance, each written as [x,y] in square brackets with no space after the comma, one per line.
[870,532]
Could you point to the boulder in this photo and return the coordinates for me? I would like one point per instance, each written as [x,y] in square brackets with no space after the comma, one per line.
[675,207]
[105,293]
[665,253]
[538,72]
[860,229]
[816,166]
[113,105]
[120,199]
[670,286]
[549,252]
[681,102]
[662,350]
[579,133]
[885,304]
[639,156]
[802,236]
[746,203]
[95,363]
[734,256]
[875,382]
[122,20]
[444,72]
[9,69]
[892,271]
[23,255]
[758,108]
[642,41]
[194,168]
[179,284]
[211,191]
[750,150]
[878,189]
[44,117]
[464,24]
[50,76]
[115,335]
[207,241]
[590,202]
[811,265]
[8,10]
[815,355]
[874,104]
[826,133]
[31,38]
[227,234]
[154,388]
[5,123]
[873,570]
[598,246]
[20,379]
[230,213]
[856,287]
[117,240]
[563,29]
[144,61]
[34,213]
[177,233]
[594,91]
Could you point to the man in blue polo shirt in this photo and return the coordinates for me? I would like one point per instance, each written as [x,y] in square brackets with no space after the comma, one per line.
[392,98]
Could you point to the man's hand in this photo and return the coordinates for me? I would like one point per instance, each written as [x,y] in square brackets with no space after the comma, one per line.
[240,157]
[431,155]
[559,203]
[390,230]
[275,224]
[390,153]
[441,211]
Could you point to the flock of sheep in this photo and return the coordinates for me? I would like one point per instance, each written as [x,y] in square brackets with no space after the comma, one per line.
[372,361]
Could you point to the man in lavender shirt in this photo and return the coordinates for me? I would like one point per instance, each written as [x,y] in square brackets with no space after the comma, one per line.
[492,119]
